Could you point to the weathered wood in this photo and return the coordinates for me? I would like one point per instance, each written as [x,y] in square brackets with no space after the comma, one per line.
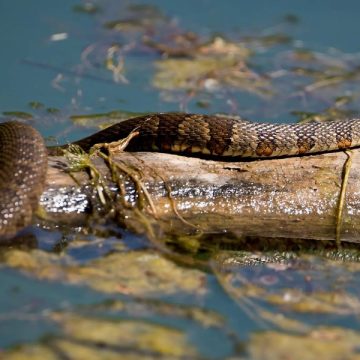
[291,197]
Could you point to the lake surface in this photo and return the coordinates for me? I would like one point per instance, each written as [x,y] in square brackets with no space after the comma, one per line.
[67,60]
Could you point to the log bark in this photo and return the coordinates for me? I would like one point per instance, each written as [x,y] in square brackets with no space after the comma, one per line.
[293,197]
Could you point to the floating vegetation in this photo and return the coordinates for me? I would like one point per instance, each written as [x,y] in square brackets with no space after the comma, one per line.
[36,105]
[52,110]
[208,74]
[338,110]
[292,19]
[18,114]
[140,273]
[137,18]
[268,40]
[87,8]
[192,65]
[103,120]
[129,329]
[290,281]
[331,343]
[118,338]
[211,67]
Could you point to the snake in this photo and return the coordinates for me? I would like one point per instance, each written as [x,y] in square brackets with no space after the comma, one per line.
[23,154]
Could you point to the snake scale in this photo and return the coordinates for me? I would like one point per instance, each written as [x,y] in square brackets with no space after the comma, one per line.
[23,155]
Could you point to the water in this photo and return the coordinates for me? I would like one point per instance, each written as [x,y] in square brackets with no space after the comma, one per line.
[35,67]
[55,56]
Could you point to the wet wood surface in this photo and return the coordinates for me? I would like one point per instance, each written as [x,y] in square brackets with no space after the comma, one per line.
[293,197]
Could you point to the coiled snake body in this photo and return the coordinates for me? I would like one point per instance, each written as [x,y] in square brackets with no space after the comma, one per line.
[23,155]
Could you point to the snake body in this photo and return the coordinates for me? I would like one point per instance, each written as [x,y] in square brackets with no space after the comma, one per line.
[222,136]
[23,165]
[23,154]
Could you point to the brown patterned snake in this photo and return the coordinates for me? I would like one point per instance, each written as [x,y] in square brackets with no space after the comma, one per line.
[23,156]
